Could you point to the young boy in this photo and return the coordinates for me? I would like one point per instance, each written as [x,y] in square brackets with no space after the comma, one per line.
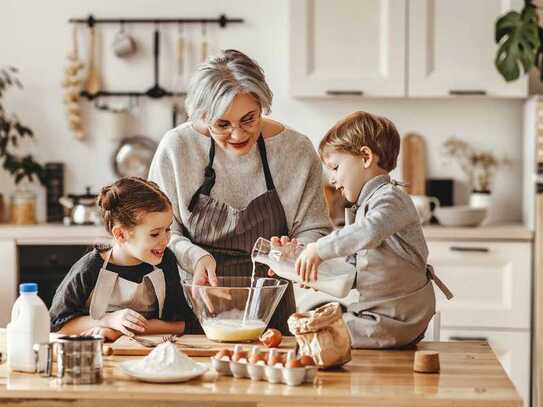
[383,235]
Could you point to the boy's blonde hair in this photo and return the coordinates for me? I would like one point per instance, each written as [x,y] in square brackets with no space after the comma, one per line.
[361,129]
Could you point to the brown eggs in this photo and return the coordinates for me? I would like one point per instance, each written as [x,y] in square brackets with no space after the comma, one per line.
[271,338]
[239,355]
[256,357]
[224,352]
[274,359]
[293,363]
[307,360]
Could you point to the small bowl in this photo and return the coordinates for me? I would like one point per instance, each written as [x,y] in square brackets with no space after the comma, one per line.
[221,366]
[293,376]
[460,215]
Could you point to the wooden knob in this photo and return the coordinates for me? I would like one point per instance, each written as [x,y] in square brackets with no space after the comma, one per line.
[426,361]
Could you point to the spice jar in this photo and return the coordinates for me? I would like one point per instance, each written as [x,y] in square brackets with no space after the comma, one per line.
[23,207]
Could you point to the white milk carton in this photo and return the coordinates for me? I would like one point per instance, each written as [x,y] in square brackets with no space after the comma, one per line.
[30,324]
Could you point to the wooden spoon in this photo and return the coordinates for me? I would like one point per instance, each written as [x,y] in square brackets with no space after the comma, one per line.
[92,85]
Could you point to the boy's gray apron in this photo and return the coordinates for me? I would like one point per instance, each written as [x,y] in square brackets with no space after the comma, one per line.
[380,321]
[113,293]
[229,234]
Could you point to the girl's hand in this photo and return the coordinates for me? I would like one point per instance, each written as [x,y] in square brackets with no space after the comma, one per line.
[307,263]
[290,246]
[110,335]
[123,320]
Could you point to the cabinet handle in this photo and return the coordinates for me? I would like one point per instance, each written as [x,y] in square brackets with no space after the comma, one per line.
[344,93]
[469,249]
[467,92]
[468,338]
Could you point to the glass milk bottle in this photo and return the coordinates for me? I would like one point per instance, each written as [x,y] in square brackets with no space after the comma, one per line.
[30,324]
[335,276]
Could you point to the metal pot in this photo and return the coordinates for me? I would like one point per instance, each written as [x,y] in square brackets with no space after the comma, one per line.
[83,208]
[133,156]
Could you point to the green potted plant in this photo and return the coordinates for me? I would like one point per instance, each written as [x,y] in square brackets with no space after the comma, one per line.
[520,42]
[22,167]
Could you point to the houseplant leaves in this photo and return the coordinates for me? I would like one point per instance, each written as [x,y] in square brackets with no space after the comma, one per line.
[518,36]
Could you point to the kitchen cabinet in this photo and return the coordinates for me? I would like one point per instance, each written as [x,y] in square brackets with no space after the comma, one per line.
[348,47]
[491,282]
[512,350]
[397,48]
[452,48]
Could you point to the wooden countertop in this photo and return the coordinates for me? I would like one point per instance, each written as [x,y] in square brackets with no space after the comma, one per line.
[470,375]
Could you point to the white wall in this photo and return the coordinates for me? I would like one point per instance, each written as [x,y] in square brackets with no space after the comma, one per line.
[34,36]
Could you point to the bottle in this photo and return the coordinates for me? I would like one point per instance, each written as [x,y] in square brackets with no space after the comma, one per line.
[335,276]
[30,324]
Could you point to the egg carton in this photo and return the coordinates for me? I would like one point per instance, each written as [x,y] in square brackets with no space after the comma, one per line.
[293,376]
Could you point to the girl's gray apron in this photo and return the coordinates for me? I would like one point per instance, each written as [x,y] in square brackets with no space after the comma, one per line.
[229,234]
[113,293]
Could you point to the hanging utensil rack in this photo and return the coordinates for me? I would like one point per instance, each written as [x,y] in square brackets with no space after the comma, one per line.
[155,91]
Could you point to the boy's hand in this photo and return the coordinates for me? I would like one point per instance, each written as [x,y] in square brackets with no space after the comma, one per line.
[123,320]
[109,334]
[289,247]
[307,263]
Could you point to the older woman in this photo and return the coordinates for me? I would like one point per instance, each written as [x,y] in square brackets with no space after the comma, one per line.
[234,175]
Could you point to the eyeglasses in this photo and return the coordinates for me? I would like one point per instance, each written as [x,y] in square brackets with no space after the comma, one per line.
[246,125]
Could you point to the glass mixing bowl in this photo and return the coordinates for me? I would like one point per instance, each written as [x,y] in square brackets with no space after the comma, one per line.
[233,311]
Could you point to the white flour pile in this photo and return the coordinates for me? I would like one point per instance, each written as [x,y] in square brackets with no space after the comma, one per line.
[165,360]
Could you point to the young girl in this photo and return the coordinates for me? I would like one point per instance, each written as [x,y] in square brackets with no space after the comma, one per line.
[132,287]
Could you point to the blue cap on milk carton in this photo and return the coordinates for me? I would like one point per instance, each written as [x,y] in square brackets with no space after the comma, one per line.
[28,288]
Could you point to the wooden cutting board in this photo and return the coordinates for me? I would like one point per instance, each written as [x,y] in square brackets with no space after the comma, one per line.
[192,345]
[414,163]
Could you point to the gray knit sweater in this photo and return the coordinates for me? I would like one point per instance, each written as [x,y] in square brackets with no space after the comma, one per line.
[178,168]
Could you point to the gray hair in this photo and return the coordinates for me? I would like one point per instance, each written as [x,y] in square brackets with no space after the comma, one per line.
[215,84]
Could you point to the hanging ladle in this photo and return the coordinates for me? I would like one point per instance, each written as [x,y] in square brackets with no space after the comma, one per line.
[157,91]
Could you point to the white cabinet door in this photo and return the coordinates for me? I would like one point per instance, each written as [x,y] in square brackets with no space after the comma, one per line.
[452,48]
[491,283]
[348,47]
[8,275]
[512,349]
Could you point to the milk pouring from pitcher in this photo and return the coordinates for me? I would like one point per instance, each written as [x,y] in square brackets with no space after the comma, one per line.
[335,276]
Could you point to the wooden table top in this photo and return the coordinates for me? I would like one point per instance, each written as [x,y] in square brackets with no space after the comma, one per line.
[470,375]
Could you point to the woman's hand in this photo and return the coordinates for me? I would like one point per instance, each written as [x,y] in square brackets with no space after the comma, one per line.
[123,320]
[205,274]
[307,263]
[289,246]
[109,334]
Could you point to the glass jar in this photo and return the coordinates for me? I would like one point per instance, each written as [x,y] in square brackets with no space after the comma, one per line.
[23,207]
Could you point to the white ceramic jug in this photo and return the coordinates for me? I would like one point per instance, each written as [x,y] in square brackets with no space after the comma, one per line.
[422,205]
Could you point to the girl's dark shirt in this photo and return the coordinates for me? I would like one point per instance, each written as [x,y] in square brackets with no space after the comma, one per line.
[71,298]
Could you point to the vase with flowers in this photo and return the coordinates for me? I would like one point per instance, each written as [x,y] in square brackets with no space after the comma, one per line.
[22,167]
[479,167]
